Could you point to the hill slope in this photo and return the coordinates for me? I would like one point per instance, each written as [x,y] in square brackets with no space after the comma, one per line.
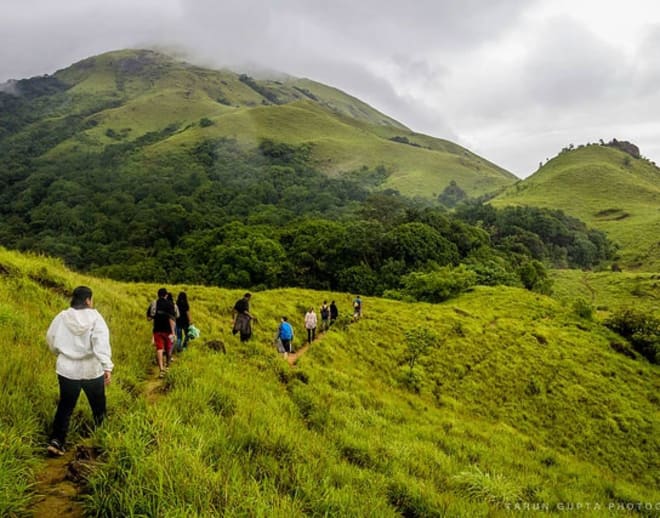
[606,188]
[121,96]
[517,403]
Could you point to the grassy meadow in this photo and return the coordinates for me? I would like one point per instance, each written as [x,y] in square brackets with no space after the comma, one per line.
[518,404]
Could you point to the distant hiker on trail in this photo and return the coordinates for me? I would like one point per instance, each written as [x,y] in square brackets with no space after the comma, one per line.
[183,321]
[81,339]
[334,312]
[242,319]
[325,316]
[285,334]
[310,325]
[162,312]
[357,308]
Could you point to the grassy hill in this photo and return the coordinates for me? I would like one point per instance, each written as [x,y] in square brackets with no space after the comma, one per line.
[606,188]
[517,403]
[121,96]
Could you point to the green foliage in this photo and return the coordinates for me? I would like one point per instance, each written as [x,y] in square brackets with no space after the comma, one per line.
[546,235]
[439,284]
[583,309]
[641,329]
[418,342]
[452,195]
[534,277]
[259,88]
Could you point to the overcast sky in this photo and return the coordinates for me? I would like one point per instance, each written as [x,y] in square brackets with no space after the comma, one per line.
[512,80]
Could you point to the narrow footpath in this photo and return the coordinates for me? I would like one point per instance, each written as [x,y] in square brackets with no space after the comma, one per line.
[60,483]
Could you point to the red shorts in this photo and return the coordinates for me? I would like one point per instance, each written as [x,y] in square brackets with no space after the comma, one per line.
[162,341]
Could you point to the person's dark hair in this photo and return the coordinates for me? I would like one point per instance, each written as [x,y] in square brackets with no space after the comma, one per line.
[247,295]
[182,298]
[79,296]
[169,297]
[162,292]
[285,319]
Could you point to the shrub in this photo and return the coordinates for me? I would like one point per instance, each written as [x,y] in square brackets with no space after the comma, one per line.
[418,341]
[438,285]
[583,309]
[641,329]
[534,277]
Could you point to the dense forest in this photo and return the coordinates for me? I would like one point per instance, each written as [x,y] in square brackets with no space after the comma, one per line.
[220,214]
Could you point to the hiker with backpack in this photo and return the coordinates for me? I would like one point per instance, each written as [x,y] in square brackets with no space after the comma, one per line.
[242,319]
[81,339]
[162,312]
[325,316]
[285,335]
[357,308]
[310,324]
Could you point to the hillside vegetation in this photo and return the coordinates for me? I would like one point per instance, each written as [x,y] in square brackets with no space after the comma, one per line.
[516,401]
[606,188]
[123,96]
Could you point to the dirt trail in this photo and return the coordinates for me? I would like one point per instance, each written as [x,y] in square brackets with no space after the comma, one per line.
[57,494]
[292,358]
[60,482]
[592,291]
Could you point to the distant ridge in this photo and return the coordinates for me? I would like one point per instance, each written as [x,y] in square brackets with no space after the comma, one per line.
[610,187]
[122,95]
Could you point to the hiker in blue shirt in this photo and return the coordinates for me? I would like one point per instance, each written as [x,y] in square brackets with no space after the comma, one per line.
[285,334]
[357,308]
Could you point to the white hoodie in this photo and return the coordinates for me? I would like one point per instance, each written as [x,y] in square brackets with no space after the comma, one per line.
[81,340]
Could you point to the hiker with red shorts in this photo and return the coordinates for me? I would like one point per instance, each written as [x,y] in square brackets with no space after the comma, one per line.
[161,311]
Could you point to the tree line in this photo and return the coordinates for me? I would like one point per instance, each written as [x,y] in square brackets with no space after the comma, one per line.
[265,217]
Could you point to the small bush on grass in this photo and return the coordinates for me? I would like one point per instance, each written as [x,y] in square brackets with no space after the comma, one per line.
[641,329]
[583,309]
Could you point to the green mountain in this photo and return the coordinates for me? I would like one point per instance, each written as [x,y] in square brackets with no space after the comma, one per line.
[509,403]
[120,97]
[607,188]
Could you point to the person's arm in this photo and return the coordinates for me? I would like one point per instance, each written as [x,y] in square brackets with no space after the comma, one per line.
[50,334]
[101,346]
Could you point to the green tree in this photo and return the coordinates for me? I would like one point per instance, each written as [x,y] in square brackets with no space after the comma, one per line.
[438,285]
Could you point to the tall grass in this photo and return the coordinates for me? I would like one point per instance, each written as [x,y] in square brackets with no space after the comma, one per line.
[524,403]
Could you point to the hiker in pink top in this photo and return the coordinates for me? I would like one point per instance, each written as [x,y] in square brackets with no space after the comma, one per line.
[310,324]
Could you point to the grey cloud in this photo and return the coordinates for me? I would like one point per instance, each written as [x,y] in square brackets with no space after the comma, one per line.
[569,65]
[419,62]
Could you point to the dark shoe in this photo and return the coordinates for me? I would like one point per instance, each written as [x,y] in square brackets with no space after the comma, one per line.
[55,448]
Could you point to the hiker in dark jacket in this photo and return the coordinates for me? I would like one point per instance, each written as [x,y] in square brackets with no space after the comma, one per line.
[162,312]
[242,319]
[325,316]
[334,312]
[183,321]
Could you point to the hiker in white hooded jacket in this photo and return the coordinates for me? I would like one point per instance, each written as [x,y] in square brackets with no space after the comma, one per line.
[81,339]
